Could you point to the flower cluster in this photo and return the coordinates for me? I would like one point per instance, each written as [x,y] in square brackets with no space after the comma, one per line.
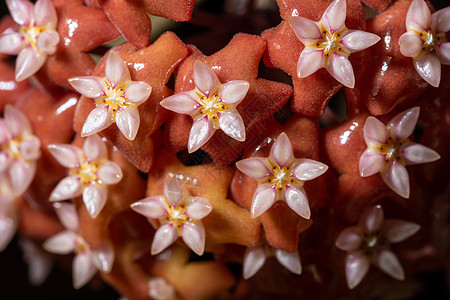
[172,170]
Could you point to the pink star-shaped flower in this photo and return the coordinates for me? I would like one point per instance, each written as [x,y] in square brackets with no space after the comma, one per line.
[89,173]
[328,43]
[255,257]
[211,105]
[369,242]
[36,38]
[87,260]
[19,149]
[116,97]
[179,214]
[389,150]
[281,177]
[425,40]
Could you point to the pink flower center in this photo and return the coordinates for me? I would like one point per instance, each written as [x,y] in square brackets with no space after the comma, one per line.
[175,215]
[31,33]
[87,172]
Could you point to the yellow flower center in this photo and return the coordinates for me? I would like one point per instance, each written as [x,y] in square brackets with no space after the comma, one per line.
[330,42]
[81,246]
[431,40]
[281,177]
[175,215]
[114,98]
[210,106]
[31,33]
[393,150]
[87,172]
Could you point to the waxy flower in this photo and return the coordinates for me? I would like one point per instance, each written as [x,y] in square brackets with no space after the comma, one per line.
[116,98]
[389,150]
[89,173]
[39,261]
[19,149]
[425,40]
[281,177]
[328,43]
[179,214]
[211,105]
[160,289]
[36,37]
[255,257]
[87,260]
[369,242]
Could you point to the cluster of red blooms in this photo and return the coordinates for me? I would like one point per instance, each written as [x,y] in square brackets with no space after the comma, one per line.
[306,157]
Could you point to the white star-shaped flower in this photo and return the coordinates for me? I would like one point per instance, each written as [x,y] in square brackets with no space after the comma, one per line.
[389,150]
[211,105]
[89,173]
[328,43]
[116,98]
[281,177]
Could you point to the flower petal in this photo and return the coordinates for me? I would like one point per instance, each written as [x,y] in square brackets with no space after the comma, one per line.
[48,41]
[358,40]
[233,92]
[173,190]
[5,133]
[350,239]
[182,103]
[67,155]
[152,207]
[255,167]
[198,208]
[16,122]
[263,199]
[98,119]
[396,231]
[310,61]
[103,258]
[11,43]
[94,197]
[440,20]
[128,121]
[371,162]
[160,289]
[418,17]
[308,169]
[116,71]
[194,236]
[290,261]
[205,79]
[30,148]
[5,160]
[429,67]
[305,29]
[94,148]
[373,218]
[21,174]
[67,214]
[89,86]
[45,14]
[341,69]
[21,11]
[298,201]
[396,177]
[410,44]
[201,132]
[8,228]
[334,16]
[230,121]
[137,92]
[83,269]
[403,124]
[109,173]
[62,243]
[165,236]
[254,259]
[356,266]
[28,62]
[443,51]
[281,152]
[389,263]
[68,188]
[418,154]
